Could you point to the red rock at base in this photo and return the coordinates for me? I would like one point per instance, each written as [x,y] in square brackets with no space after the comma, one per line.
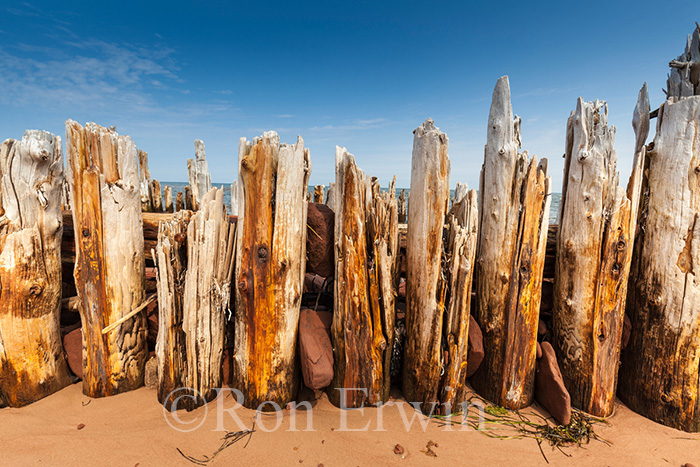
[73,346]
[320,233]
[313,283]
[539,351]
[475,347]
[315,348]
[550,391]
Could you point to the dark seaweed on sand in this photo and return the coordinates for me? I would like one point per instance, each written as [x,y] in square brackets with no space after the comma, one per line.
[229,439]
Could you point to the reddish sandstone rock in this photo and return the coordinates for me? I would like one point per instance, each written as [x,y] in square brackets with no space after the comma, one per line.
[313,283]
[539,351]
[320,240]
[475,347]
[550,391]
[315,348]
[73,346]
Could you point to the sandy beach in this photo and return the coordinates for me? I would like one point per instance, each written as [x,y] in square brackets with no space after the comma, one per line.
[131,430]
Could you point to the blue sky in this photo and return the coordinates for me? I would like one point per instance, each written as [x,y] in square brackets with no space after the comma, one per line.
[356,74]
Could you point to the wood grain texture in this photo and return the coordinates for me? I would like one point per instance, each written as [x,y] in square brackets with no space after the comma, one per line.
[366,243]
[514,203]
[32,363]
[425,294]
[659,375]
[594,246]
[270,266]
[109,266]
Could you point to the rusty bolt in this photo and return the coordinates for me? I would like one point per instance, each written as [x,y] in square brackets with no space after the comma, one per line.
[262,252]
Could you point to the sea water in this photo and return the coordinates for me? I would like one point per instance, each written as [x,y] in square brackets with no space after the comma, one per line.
[180,186]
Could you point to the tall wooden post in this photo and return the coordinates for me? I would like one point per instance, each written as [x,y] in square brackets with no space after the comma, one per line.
[366,239]
[594,249]
[319,191]
[32,364]
[659,375]
[198,174]
[425,301]
[168,199]
[145,182]
[109,265]
[156,196]
[270,266]
[514,201]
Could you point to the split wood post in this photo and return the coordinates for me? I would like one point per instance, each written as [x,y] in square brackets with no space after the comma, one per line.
[145,182]
[109,265]
[402,206]
[514,200]
[318,193]
[168,199]
[330,195]
[366,243]
[210,258]
[179,202]
[170,256]
[156,196]
[270,266]
[428,199]
[188,199]
[458,257]
[32,363]
[659,375]
[594,249]
[198,174]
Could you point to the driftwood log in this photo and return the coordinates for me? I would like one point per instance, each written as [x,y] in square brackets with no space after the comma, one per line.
[659,375]
[425,300]
[270,266]
[198,174]
[171,350]
[32,363]
[594,251]
[366,244]
[109,267]
[514,200]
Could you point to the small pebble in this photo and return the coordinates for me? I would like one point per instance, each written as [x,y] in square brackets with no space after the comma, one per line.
[296,448]
[81,426]
[398,449]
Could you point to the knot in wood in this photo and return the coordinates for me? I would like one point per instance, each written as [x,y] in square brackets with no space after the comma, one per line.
[86,232]
[262,252]
[242,285]
[697,169]
[180,237]
[504,278]
[621,245]
[501,151]
[36,289]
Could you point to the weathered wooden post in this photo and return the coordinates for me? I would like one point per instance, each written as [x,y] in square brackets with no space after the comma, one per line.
[428,199]
[402,206]
[179,202]
[109,265]
[145,182]
[210,250]
[234,198]
[514,199]
[198,174]
[270,266]
[594,249]
[32,364]
[366,241]
[156,196]
[188,199]
[319,191]
[330,195]
[659,375]
[168,199]
[171,349]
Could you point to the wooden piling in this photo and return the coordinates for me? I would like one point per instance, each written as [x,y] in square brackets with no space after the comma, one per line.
[32,363]
[659,375]
[425,301]
[318,193]
[402,206]
[594,247]
[179,202]
[145,182]
[270,266]
[198,174]
[188,199]
[109,267]
[514,200]
[366,239]
[168,199]
[156,196]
